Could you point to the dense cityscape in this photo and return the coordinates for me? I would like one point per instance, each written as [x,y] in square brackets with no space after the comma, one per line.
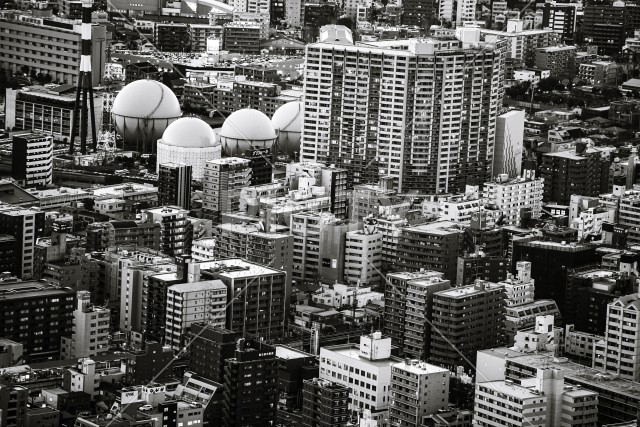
[319,213]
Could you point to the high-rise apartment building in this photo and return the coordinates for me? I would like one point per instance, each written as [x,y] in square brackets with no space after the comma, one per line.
[250,385]
[619,353]
[223,180]
[417,389]
[507,155]
[32,159]
[174,185]
[130,233]
[154,313]
[429,119]
[559,60]
[37,316]
[466,319]
[444,240]
[26,226]
[176,231]
[91,325]
[210,348]
[187,303]
[257,296]
[324,403]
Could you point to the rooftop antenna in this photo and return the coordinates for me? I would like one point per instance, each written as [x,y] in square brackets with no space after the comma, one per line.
[85,87]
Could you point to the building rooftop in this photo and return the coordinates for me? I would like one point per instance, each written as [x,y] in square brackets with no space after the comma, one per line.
[352,351]
[438,227]
[572,371]
[285,352]
[30,289]
[207,285]
[236,268]
[420,368]
[511,389]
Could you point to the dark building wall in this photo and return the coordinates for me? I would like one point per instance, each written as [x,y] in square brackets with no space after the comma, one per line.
[209,349]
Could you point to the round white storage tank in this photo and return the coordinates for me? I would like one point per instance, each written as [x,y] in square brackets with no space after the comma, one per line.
[142,111]
[287,121]
[246,129]
[190,141]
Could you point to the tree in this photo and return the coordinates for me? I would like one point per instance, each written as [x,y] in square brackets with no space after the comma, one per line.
[548,84]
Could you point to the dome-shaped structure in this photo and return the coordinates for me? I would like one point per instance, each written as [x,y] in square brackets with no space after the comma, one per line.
[141,112]
[287,121]
[189,141]
[190,132]
[246,129]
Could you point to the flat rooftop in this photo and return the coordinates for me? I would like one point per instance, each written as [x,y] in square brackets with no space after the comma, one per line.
[285,352]
[420,368]
[572,371]
[352,351]
[207,285]
[238,268]
[511,389]
[30,289]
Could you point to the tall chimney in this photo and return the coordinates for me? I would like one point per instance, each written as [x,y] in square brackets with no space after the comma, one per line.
[85,87]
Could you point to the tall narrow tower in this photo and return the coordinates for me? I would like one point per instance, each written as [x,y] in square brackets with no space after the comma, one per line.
[85,87]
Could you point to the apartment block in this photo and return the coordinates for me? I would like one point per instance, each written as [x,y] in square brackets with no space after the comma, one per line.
[619,353]
[176,231]
[516,198]
[324,403]
[418,389]
[91,327]
[363,256]
[403,85]
[32,160]
[469,319]
[174,185]
[223,180]
[188,303]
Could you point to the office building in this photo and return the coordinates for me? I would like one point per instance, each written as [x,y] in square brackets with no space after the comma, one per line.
[174,185]
[551,263]
[150,361]
[252,372]
[37,316]
[365,370]
[479,266]
[47,110]
[176,231]
[54,47]
[223,180]
[418,389]
[325,403]
[201,33]
[91,327]
[370,139]
[257,296]
[594,289]
[32,160]
[604,26]
[187,303]
[619,353]
[26,226]
[469,319]
[210,348]
[523,316]
[444,240]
